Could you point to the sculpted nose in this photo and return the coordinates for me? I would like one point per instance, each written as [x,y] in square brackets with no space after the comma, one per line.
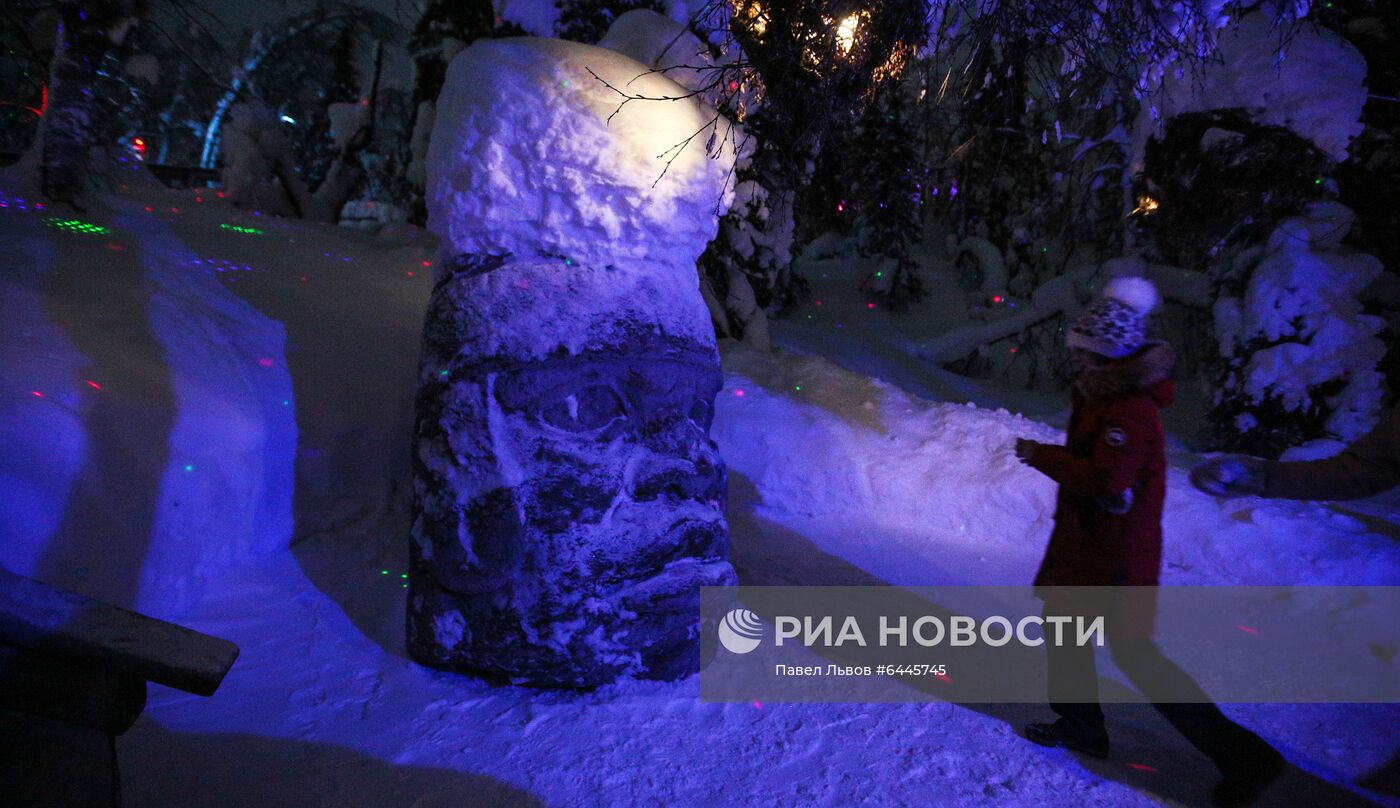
[697,475]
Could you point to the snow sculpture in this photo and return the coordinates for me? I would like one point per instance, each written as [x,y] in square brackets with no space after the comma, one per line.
[568,498]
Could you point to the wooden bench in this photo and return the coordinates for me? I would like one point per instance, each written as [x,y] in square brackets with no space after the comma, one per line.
[73,676]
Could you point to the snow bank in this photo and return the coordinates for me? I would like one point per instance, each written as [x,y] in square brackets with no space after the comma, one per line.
[531,155]
[924,493]
[226,493]
[42,407]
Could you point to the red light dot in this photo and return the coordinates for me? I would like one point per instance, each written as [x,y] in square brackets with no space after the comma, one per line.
[427,263]
[870,305]
[818,302]
[39,205]
[943,677]
[996,299]
[37,394]
[221,194]
[410,273]
[739,393]
[1248,629]
[174,210]
[150,209]
[757,705]
[265,362]
[1013,350]
[94,385]
[1142,767]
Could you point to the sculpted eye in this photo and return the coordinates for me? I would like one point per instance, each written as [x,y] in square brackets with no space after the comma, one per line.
[584,410]
[700,413]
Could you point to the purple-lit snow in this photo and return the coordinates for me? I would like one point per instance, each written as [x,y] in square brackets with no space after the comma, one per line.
[229,449]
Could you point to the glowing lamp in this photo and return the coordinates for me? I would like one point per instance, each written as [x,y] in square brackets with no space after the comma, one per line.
[846,33]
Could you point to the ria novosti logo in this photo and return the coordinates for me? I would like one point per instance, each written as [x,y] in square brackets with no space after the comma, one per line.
[740,631]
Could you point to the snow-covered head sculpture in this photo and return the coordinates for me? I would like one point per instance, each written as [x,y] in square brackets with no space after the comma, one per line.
[569,501]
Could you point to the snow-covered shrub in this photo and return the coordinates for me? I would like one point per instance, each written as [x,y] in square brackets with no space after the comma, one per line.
[1298,352]
[260,168]
[254,147]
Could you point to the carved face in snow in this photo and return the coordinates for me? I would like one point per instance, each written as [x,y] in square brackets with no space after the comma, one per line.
[568,510]
[598,467]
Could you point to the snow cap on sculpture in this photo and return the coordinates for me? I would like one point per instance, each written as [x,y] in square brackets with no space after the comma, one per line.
[533,154]
[1115,324]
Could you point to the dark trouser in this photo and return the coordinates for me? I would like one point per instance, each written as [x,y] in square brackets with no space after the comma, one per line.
[1073,682]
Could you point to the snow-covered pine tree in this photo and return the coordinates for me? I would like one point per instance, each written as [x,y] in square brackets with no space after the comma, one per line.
[818,62]
[336,82]
[588,21]
[91,34]
[890,194]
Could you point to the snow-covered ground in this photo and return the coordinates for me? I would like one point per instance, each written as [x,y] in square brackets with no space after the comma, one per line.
[212,423]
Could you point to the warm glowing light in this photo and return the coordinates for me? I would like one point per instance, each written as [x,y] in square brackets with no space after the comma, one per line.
[755,15]
[846,33]
[1147,205]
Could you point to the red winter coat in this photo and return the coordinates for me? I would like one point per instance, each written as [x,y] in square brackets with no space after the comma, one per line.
[1115,442]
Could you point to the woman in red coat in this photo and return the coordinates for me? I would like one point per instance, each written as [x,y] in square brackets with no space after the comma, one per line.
[1112,473]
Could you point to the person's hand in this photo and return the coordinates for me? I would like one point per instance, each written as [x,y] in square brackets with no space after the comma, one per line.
[1237,476]
[1024,449]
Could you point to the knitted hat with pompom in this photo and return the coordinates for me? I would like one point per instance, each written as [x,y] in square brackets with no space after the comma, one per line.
[1115,324]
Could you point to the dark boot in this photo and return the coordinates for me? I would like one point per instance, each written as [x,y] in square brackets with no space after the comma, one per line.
[1247,779]
[1075,736]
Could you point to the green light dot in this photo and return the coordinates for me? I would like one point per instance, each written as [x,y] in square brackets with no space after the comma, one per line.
[879,274]
[798,388]
[189,467]
[405,575]
[442,373]
[383,572]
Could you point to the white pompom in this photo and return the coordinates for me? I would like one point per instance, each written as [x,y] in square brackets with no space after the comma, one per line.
[1139,293]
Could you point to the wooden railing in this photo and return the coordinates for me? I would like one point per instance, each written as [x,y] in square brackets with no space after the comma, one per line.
[73,676]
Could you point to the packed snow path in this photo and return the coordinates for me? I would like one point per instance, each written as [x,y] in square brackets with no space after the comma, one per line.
[292,538]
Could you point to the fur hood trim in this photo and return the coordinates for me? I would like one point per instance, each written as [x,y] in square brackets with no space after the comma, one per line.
[1132,374]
